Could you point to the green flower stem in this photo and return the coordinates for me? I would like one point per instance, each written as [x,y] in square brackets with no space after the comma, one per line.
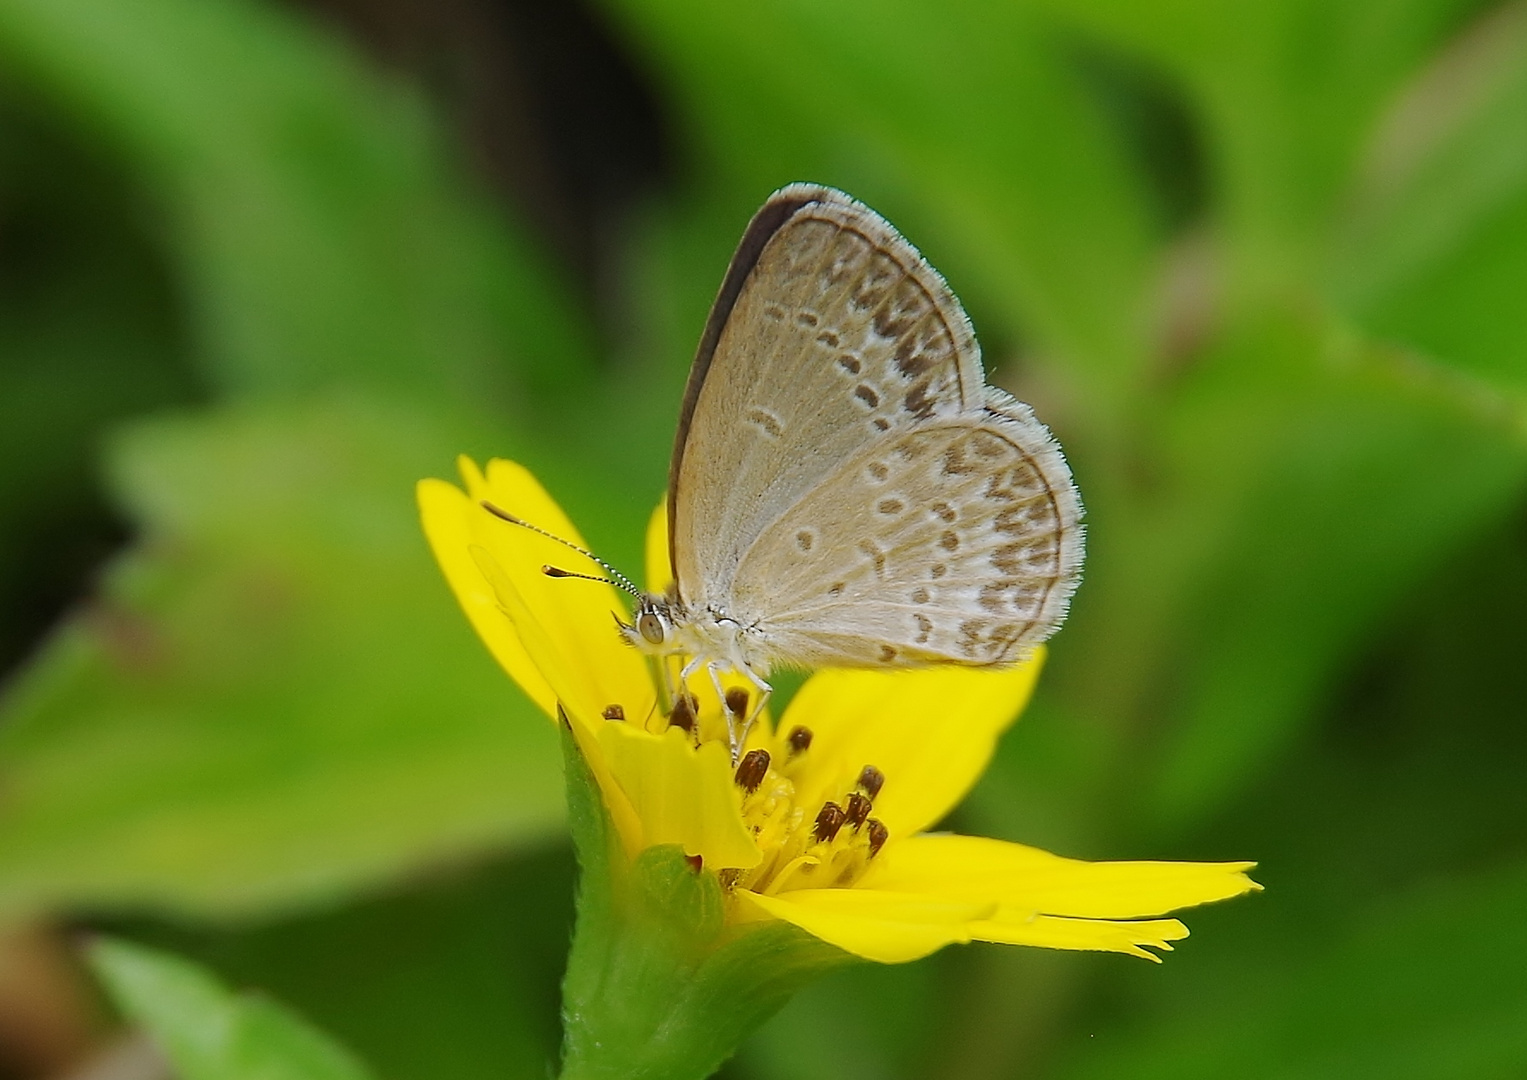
[658,987]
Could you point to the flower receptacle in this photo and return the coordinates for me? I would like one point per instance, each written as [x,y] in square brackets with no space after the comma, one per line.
[659,983]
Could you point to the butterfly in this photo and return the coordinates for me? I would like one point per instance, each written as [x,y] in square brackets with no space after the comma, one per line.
[845,488]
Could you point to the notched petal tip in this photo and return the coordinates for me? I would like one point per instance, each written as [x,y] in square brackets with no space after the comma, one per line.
[1031,879]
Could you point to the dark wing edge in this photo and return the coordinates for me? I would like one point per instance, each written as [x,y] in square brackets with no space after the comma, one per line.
[778,209]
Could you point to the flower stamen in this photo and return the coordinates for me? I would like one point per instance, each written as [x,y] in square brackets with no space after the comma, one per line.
[614,712]
[858,809]
[871,780]
[752,770]
[683,715]
[829,820]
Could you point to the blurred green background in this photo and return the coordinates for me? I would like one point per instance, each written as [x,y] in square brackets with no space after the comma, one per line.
[1262,267]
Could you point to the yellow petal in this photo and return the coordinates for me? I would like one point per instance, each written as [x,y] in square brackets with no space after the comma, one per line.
[576,702]
[1050,932]
[577,617]
[931,731]
[622,814]
[1026,878]
[680,794]
[887,927]
[659,565]
[446,513]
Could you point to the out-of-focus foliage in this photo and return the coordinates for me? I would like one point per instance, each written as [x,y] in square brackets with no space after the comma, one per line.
[1260,266]
[274,702]
[209,1033]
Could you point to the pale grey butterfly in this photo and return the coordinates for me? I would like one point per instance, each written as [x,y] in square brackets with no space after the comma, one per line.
[845,489]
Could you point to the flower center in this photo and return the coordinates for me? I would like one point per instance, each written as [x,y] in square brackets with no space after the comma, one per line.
[821,847]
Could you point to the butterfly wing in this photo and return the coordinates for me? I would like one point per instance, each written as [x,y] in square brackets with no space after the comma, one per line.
[829,334]
[956,541]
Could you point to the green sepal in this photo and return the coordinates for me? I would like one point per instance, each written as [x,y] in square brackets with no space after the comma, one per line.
[658,986]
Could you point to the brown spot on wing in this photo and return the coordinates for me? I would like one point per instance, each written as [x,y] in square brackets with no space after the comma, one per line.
[917,402]
[766,422]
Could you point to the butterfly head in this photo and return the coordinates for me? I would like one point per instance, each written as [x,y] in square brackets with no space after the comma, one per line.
[654,625]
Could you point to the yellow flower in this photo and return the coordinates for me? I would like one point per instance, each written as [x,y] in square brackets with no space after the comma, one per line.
[823,823]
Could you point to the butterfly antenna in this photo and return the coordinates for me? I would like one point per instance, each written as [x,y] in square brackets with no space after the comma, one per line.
[557,571]
[616,578]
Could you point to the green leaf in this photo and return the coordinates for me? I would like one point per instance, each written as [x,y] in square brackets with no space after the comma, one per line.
[210,1033]
[657,985]
[1286,92]
[88,336]
[1327,475]
[1433,250]
[277,699]
[964,122]
[453,975]
[321,233]
[1300,481]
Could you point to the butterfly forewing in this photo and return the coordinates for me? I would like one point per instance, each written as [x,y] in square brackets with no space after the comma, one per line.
[844,482]
[830,333]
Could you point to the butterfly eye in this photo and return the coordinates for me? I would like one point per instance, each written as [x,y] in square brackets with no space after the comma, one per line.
[651,627]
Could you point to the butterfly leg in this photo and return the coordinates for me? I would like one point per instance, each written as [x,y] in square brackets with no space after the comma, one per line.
[685,672]
[764,691]
[732,738]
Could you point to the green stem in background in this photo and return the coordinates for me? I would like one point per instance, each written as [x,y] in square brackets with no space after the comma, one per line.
[658,985]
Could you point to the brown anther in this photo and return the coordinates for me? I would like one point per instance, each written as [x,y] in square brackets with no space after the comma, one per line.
[683,715]
[696,862]
[737,702]
[858,809]
[614,712]
[829,820]
[799,740]
[871,780]
[752,769]
[879,834]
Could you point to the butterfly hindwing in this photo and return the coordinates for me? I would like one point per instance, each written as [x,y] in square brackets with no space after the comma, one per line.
[956,541]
